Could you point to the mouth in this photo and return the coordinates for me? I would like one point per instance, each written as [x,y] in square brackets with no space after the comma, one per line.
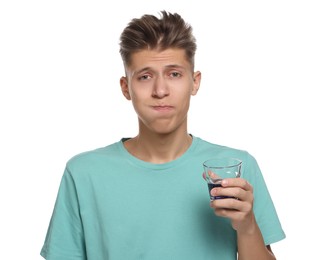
[162,108]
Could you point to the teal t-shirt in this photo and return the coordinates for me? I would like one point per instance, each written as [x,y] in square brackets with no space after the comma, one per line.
[113,206]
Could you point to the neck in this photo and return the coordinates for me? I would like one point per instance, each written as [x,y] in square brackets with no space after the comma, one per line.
[158,148]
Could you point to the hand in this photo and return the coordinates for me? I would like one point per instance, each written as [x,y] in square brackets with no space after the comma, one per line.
[238,208]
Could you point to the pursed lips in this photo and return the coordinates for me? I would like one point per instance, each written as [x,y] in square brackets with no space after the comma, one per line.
[162,107]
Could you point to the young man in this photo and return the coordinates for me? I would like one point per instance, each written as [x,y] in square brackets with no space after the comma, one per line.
[144,197]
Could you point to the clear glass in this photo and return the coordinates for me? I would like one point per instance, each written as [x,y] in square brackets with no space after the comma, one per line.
[216,169]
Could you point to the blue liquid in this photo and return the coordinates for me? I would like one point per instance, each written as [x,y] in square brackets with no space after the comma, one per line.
[214,185]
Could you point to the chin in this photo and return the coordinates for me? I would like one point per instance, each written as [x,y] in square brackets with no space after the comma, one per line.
[164,129]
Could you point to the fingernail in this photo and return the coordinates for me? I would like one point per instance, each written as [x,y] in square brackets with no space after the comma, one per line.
[224,182]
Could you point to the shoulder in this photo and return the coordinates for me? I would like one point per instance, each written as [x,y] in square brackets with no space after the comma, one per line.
[94,157]
[208,147]
[213,150]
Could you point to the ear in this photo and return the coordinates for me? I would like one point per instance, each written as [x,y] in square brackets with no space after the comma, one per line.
[196,82]
[125,87]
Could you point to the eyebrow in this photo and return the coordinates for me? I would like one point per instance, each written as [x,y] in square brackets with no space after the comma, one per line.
[171,66]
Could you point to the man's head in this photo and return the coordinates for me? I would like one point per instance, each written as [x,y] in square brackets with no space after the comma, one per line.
[158,56]
[152,33]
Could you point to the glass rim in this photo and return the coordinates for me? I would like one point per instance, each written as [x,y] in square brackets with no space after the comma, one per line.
[237,162]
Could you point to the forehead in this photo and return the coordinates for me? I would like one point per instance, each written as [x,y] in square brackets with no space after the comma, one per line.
[158,58]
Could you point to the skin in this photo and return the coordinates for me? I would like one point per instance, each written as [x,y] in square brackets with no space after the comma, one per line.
[240,212]
[160,85]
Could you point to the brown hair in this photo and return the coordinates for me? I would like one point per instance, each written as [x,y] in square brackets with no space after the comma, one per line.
[149,32]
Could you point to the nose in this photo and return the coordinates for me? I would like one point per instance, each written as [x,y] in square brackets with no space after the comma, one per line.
[160,88]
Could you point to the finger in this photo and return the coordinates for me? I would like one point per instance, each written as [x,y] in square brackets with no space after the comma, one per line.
[226,204]
[231,208]
[237,182]
[232,204]
[233,192]
[213,176]
[234,215]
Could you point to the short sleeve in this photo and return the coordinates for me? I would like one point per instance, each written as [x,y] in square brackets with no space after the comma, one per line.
[264,209]
[65,237]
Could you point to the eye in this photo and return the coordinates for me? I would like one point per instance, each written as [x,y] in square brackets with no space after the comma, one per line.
[144,77]
[175,74]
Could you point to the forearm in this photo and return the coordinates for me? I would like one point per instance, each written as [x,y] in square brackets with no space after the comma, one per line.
[251,246]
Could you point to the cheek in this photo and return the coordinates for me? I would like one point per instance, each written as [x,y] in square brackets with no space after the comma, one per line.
[184,95]
[138,97]
[184,104]
[138,100]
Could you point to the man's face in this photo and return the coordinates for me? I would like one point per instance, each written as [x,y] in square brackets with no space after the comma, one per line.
[160,85]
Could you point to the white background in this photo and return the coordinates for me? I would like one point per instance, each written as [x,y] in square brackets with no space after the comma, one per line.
[263,66]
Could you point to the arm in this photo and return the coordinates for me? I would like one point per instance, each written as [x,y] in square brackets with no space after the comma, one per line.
[240,212]
[251,245]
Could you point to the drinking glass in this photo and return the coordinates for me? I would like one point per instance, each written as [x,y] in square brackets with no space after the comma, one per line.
[217,169]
